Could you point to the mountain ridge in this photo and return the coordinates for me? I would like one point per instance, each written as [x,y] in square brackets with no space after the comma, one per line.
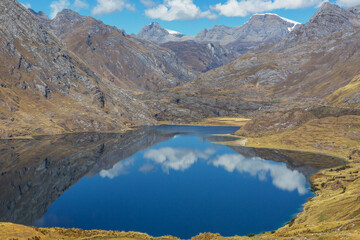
[261,28]
[124,60]
[46,89]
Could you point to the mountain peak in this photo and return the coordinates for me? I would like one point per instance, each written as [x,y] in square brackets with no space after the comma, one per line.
[273,18]
[328,19]
[69,15]
[155,24]
[156,33]
[39,14]
[327,8]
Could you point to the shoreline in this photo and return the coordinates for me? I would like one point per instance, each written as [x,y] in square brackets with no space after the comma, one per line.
[207,122]
[295,228]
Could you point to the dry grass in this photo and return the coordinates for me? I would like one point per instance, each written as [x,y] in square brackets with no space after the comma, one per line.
[347,96]
[336,203]
[331,135]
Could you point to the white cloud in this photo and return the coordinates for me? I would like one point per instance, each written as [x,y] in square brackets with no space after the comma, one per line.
[148,3]
[242,8]
[282,177]
[348,3]
[27,5]
[172,10]
[57,6]
[176,159]
[146,168]
[110,6]
[118,169]
[79,4]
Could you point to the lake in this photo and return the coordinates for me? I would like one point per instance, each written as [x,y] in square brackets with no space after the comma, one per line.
[165,180]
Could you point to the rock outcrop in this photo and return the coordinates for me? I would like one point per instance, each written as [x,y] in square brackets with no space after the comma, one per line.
[328,19]
[201,57]
[156,33]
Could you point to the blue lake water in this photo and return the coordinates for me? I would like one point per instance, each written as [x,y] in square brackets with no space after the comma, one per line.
[168,180]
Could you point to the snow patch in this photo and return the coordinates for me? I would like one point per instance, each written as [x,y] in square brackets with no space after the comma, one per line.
[285,19]
[172,32]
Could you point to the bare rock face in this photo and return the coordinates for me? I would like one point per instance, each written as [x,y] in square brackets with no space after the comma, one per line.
[125,61]
[201,57]
[39,14]
[156,33]
[260,29]
[328,19]
[46,89]
[219,33]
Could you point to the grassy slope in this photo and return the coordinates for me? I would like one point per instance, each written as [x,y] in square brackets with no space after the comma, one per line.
[338,136]
[347,95]
[337,190]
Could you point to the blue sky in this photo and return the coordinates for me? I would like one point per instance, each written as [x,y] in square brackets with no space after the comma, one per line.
[185,16]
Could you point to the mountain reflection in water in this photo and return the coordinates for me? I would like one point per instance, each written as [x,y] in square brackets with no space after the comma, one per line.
[36,175]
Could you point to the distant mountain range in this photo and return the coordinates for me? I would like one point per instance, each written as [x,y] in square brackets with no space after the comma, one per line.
[74,73]
[312,62]
[260,29]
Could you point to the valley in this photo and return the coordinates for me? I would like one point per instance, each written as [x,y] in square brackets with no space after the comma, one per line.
[290,86]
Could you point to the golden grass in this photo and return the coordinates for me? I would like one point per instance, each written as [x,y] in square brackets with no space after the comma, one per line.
[341,96]
[10,231]
[333,136]
[338,190]
[336,203]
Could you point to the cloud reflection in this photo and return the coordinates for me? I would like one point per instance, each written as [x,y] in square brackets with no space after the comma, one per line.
[282,177]
[118,169]
[146,168]
[177,159]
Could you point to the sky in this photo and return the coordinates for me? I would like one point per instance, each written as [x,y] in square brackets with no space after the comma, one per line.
[186,16]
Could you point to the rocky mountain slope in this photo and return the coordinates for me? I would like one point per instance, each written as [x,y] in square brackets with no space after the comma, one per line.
[125,61]
[156,33]
[298,75]
[260,29]
[201,57]
[329,18]
[46,89]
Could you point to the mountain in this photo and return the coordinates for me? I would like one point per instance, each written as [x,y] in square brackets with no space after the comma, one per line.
[156,33]
[347,96]
[298,75]
[328,19]
[260,29]
[125,61]
[200,57]
[46,89]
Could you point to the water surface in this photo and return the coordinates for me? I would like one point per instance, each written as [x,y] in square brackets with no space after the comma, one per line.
[167,180]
